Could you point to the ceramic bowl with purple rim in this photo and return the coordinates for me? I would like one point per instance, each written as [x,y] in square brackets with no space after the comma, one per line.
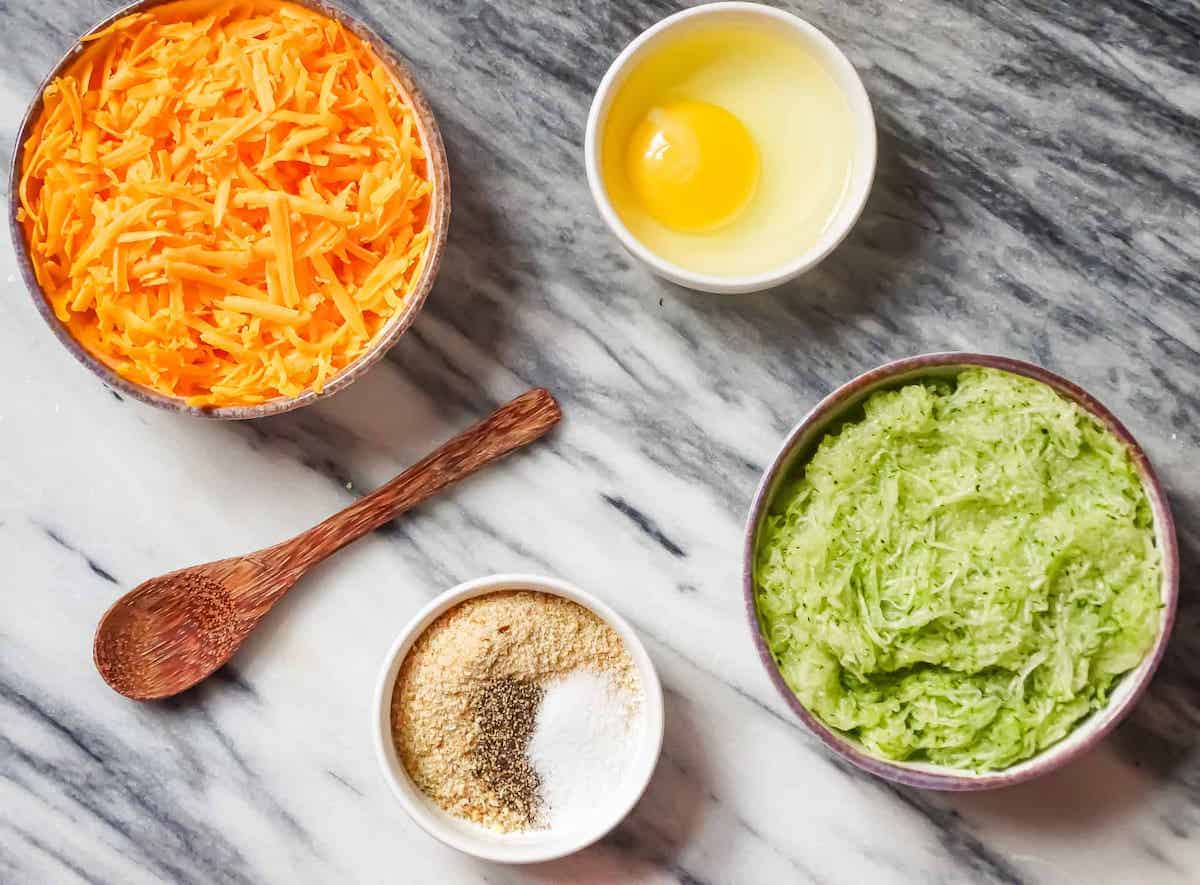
[438,221]
[800,444]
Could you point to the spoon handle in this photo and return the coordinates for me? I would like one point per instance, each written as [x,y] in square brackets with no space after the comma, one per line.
[510,427]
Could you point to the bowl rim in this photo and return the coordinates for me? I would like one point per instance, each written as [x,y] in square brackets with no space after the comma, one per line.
[439,221]
[1101,722]
[860,106]
[439,824]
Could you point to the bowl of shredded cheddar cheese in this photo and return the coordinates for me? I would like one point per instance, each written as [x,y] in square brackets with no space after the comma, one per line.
[229,209]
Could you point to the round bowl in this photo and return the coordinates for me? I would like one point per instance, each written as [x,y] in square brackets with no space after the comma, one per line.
[798,446]
[835,63]
[439,222]
[532,846]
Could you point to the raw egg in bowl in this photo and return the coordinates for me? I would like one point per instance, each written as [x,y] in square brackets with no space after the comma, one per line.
[730,147]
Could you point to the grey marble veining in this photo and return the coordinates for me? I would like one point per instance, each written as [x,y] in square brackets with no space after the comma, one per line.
[1038,195]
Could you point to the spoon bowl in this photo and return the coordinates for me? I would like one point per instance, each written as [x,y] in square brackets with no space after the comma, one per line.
[172,631]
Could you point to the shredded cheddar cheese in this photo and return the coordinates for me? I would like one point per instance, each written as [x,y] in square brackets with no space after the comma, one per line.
[226,202]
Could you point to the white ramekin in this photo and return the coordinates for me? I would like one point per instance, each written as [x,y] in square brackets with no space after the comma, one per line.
[863,172]
[538,845]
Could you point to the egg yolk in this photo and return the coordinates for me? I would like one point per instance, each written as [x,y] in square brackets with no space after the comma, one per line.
[692,165]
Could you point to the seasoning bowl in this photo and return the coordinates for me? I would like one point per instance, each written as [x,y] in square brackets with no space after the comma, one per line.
[797,31]
[531,846]
[439,223]
[799,446]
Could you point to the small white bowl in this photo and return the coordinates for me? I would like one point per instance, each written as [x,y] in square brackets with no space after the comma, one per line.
[532,846]
[838,66]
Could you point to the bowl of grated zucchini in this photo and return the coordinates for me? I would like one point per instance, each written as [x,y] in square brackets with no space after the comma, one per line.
[960,571]
[229,210]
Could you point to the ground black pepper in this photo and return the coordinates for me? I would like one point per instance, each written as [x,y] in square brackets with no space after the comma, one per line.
[505,713]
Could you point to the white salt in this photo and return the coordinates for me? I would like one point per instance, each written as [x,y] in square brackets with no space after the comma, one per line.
[583,743]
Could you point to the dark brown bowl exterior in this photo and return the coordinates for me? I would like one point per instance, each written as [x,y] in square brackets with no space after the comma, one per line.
[798,445]
[439,224]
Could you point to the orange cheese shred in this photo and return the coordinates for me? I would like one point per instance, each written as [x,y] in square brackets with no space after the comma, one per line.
[226,202]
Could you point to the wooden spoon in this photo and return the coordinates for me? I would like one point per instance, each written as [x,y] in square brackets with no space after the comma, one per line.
[172,631]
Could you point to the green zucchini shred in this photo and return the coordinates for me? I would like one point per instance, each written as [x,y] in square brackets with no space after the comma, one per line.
[962,575]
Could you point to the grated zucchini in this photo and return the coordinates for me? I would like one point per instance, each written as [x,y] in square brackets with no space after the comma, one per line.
[963,574]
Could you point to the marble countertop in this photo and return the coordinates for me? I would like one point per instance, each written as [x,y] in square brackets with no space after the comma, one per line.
[1038,195]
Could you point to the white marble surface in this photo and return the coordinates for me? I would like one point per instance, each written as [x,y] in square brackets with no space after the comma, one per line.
[1038,196]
